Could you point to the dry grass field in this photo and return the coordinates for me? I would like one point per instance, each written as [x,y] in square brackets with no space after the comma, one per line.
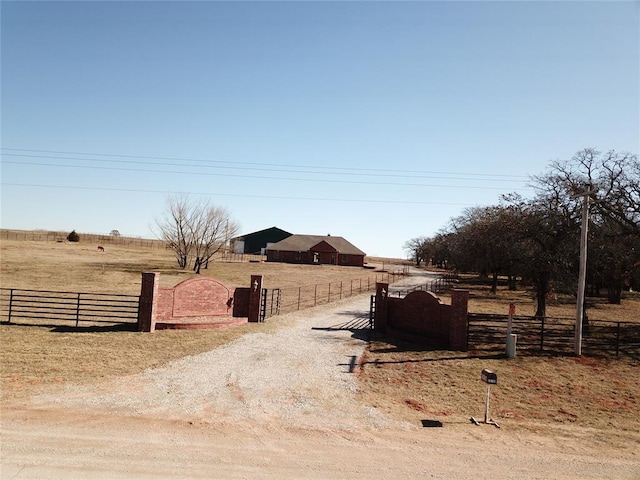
[35,356]
[535,393]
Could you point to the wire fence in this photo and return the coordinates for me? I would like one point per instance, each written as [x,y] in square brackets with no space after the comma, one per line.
[91,238]
[291,299]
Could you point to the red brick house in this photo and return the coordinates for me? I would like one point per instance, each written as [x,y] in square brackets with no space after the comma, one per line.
[316,250]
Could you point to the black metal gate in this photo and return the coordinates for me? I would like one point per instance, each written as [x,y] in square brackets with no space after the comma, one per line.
[372,312]
[270,303]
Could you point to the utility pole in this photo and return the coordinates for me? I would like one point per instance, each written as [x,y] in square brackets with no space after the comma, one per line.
[584,230]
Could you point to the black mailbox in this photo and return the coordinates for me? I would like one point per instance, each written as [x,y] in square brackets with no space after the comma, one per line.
[489,377]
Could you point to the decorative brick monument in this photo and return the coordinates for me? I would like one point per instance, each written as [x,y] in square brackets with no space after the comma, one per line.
[198,302]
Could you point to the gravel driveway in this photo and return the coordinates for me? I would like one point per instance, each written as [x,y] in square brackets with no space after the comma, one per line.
[295,376]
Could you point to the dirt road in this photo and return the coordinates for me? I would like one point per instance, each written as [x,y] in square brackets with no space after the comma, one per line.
[273,406]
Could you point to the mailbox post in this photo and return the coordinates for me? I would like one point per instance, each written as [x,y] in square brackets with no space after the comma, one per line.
[490,378]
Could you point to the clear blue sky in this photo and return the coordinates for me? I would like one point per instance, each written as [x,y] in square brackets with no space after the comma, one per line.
[375,121]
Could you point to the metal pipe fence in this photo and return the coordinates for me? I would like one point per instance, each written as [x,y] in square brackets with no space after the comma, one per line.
[439,285]
[38,307]
[553,335]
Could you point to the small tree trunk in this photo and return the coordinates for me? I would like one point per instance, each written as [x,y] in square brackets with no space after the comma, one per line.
[513,283]
[614,293]
[542,288]
[585,318]
[494,283]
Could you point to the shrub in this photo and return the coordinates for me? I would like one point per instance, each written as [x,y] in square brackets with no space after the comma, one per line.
[73,237]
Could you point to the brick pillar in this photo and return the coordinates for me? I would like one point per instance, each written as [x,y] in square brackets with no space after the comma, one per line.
[459,320]
[255,295]
[382,302]
[148,302]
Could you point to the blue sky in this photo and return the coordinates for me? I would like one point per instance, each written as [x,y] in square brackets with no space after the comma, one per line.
[375,121]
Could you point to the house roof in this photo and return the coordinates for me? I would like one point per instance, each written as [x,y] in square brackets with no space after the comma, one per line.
[303,243]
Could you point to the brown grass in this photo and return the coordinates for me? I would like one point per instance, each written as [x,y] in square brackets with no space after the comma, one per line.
[534,393]
[81,267]
[35,356]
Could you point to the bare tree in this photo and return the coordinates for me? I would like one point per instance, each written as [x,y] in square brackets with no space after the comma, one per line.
[211,228]
[415,248]
[615,212]
[195,230]
[173,228]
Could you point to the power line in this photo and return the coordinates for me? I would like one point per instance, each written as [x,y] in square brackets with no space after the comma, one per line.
[239,195]
[245,176]
[255,168]
[235,164]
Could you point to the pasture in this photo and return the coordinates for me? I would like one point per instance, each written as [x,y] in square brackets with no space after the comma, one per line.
[601,396]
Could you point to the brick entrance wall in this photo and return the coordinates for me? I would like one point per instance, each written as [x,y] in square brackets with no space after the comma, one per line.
[193,299]
[422,318]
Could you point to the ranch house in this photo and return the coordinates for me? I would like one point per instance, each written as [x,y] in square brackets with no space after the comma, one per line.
[316,250]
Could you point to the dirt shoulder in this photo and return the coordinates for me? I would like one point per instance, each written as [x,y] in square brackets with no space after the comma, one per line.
[45,444]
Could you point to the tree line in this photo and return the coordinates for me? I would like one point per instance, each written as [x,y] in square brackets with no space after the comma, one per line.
[538,239]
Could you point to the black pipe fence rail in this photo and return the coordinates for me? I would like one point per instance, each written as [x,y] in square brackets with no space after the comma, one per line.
[438,285]
[553,335]
[37,307]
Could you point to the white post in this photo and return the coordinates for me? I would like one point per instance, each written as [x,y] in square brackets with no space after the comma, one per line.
[486,405]
[583,271]
[511,339]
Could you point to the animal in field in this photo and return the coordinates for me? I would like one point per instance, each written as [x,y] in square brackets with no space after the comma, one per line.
[100,248]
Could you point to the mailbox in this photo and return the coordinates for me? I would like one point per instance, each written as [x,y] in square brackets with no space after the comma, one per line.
[489,377]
